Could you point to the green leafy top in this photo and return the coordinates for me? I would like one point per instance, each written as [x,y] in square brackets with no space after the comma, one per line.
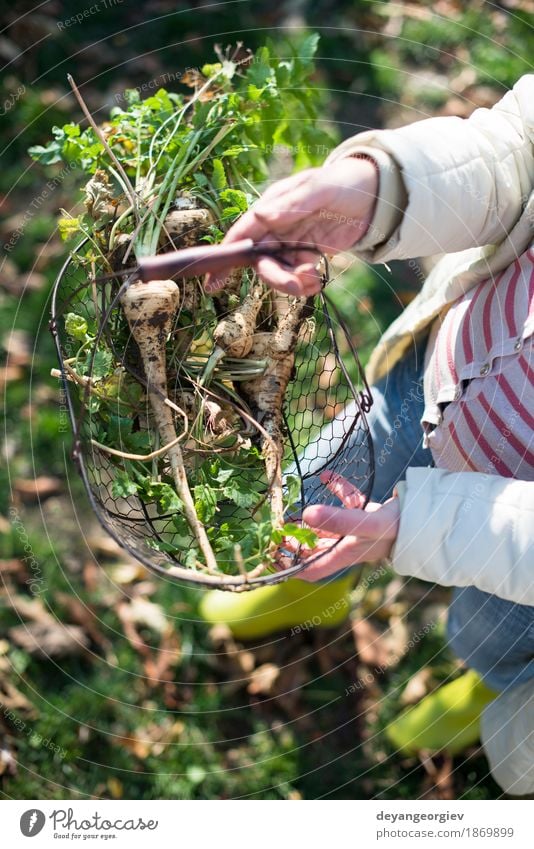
[216,143]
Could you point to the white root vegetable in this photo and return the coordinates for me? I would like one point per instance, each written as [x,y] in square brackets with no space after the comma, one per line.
[185,227]
[234,334]
[150,309]
[266,394]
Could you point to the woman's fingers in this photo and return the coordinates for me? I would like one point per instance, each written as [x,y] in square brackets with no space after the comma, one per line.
[347,552]
[304,280]
[349,495]
[343,522]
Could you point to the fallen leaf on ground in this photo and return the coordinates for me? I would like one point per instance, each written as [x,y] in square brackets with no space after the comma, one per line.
[8,764]
[47,640]
[16,343]
[373,645]
[115,788]
[153,739]
[105,545]
[159,667]
[130,631]
[147,613]
[439,779]
[15,569]
[417,687]
[85,616]
[127,573]
[10,373]
[31,608]
[263,679]
[10,697]
[10,277]
[35,489]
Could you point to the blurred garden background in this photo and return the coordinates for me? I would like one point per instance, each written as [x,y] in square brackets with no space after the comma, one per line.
[110,686]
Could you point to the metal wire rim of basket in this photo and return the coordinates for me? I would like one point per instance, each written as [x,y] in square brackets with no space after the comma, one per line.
[137,527]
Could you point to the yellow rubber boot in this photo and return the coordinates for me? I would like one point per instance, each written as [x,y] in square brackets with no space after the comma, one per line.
[291,604]
[448,719]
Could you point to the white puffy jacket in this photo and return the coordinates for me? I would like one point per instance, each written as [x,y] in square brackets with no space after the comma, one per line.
[463,188]
[451,184]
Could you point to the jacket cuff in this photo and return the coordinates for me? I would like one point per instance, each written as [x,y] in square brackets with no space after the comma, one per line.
[391,198]
[467,529]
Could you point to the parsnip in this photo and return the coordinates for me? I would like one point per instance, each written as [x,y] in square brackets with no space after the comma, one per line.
[234,334]
[266,394]
[150,309]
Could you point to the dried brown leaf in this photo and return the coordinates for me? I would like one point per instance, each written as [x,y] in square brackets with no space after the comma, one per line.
[263,679]
[35,489]
[14,569]
[5,525]
[11,698]
[31,608]
[417,687]
[16,343]
[439,779]
[147,614]
[371,644]
[8,764]
[46,640]
[104,545]
[85,616]
[8,374]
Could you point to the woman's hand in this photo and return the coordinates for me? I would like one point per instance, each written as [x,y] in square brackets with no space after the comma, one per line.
[329,208]
[368,534]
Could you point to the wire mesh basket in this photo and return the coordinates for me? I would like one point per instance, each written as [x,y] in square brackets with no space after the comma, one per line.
[324,427]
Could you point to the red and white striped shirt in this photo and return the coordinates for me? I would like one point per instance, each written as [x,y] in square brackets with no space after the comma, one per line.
[479,378]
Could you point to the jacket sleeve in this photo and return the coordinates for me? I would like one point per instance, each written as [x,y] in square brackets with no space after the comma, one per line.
[464,181]
[467,529]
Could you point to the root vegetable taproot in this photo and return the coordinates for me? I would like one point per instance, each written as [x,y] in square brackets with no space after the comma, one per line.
[150,309]
[234,334]
[266,394]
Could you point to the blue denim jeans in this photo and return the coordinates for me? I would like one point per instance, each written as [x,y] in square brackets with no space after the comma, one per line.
[492,635]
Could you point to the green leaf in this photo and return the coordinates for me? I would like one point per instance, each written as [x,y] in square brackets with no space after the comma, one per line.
[76,326]
[223,475]
[118,429]
[254,93]
[123,486]
[102,364]
[236,149]
[304,535]
[205,502]
[191,558]
[241,497]
[169,500]
[71,130]
[307,50]
[68,228]
[210,69]
[219,175]
[260,72]
[131,96]
[293,490]
[235,198]
[119,432]
[46,155]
